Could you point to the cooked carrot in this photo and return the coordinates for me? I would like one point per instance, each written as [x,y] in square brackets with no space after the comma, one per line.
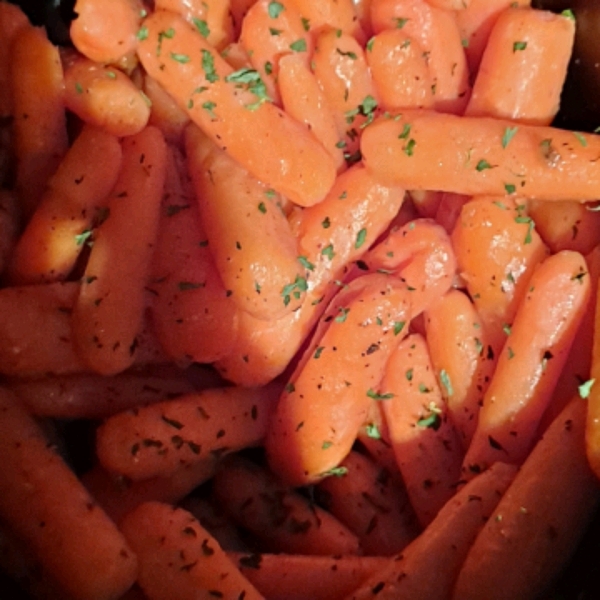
[458,349]
[524,66]
[9,226]
[437,33]
[176,552]
[303,99]
[236,56]
[497,250]
[194,316]
[248,235]
[234,111]
[109,311]
[372,504]
[533,356]
[330,14]
[52,513]
[428,567]
[426,443]
[476,22]
[238,10]
[281,518]
[69,209]
[211,18]
[482,156]
[105,97]
[106,32]
[426,202]
[268,34]
[39,126]
[449,209]
[297,577]
[156,440]
[400,71]
[457,5]
[538,523]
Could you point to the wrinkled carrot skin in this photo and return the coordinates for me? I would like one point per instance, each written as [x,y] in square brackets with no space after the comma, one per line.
[540,519]
[457,346]
[110,308]
[156,440]
[48,248]
[541,163]
[164,112]
[341,69]
[476,22]
[428,567]
[212,18]
[268,143]
[176,552]
[278,515]
[105,97]
[106,32]
[523,68]
[531,362]
[400,71]
[194,317]
[437,33]
[497,251]
[266,39]
[372,504]
[52,513]
[330,14]
[39,126]
[327,234]
[303,99]
[248,235]
[429,457]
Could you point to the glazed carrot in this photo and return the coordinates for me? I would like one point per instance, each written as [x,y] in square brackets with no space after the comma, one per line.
[234,111]
[106,32]
[9,226]
[297,577]
[458,349]
[592,434]
[303,99]
[449,209]
[105,97]
[248,235]
[330,14]
[476,22]
[53,514]
[426,444]
[524,66]
[457,5]
[156,440]
[371,503]
[69,209]
[341,69]
[531,534]
[39,126]
[400,71]
[238,10]
[482,156]
[109,311]
[211,18]
[428,567]
[35,325]
[165,113]
[176,552]
[531,361]
[270,33]
[236,56]
[284,520]
[497,250]
[426,202]
[118,496]
[437,33]
[194,316]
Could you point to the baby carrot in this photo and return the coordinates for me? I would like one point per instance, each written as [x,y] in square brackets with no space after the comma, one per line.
[482,156]
[533,356]
[330,14]
[54,515]
[165,113]
[233,109]
[109,311]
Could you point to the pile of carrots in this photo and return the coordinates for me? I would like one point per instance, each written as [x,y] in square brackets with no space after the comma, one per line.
[320,276]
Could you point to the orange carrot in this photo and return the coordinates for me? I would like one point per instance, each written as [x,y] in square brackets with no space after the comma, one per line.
[110,308]
[482,156]
[234,111]
[53,514]
[531,361]
[330,14]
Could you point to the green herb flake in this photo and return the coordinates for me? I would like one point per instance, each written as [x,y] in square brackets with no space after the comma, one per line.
[305,24]
[306,263]
[585,388]
[335,472]
[509,188]
[78,88]
[508,135]
[142,33]
[401,22]
[275,9]
[327,444]
[351,55]
[519,46]
[262,207]
[377,396]
[445,380]
[343,315]
[326,223]
[328,251]
[398,327]
[409,147]
[83,237]
[254,84]
[482,165]
[269,67]
[210,106]
[581,139]
[432,420]
[361,237]
[409,374]
[568,14]
[370,44]
[180,58]
[202,27]
[298,45]
[372,431]
[208,65]
[294,289]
